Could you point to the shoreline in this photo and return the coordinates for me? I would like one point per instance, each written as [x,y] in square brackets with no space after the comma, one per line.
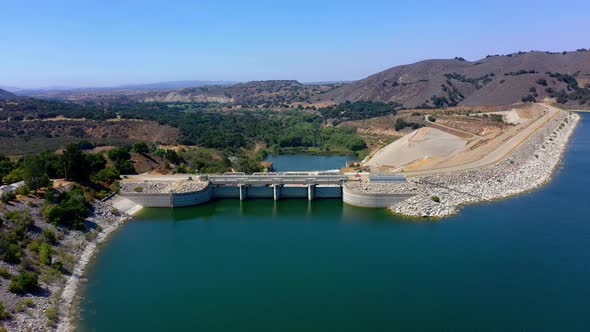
[530,166]
[70,291]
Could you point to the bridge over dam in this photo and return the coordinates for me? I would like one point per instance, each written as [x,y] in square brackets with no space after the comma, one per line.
[191,189]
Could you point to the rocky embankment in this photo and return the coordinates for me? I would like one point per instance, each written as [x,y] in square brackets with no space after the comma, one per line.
[51,303]
[528,167]
[384,188]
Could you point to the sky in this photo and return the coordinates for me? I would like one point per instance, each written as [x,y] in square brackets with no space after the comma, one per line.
[105,43]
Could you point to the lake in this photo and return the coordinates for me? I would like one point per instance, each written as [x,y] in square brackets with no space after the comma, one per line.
[293,265]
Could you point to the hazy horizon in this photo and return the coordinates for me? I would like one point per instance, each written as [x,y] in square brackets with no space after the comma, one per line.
[105,44]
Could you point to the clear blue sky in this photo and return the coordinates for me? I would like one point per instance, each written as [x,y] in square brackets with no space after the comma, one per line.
[94,43]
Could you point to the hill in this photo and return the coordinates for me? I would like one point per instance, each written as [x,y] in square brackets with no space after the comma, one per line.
[274,92]
[269,93]
[5,95]
[495,80]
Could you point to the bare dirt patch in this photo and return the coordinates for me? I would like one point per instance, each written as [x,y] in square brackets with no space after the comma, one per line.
[420,144]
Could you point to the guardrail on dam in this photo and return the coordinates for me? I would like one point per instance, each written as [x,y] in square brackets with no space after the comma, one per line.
[311,185]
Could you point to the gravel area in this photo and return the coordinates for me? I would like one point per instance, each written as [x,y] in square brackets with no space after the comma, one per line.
[159,187]
[190,186]
[148,187]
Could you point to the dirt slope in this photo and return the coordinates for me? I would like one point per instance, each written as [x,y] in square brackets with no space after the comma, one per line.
[419,144]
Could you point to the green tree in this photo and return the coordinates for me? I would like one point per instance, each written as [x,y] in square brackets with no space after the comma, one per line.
[70,211]
[400,124]
[108,175]
[96,162]
[5,166]
[140,147]
[15,175]
[249,166]
[35,172]
[76,166]
[121,160]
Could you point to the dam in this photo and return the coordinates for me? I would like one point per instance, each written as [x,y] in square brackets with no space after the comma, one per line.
[181,190]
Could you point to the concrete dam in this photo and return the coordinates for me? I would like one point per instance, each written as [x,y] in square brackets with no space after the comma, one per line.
[188,189]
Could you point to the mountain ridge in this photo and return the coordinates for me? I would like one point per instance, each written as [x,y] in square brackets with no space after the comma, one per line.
[494,80]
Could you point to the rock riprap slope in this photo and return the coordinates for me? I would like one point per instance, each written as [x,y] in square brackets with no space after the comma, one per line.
[528,167]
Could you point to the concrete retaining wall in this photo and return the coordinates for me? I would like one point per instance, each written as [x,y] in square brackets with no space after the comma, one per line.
[193,198]
[372,200]
[150,200]
[170,199]
[226,192]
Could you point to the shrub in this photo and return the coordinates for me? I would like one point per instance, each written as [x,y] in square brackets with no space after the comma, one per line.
[71,209]
[138,189]
[44,254]
[19,306]
[8,197]
[51,314]
[140,147]
[58,266]
[10,252]
[85,145]
[49,236]
[3,313]
[542,81]
[23,283]
[23,190]
[29,303]
[108,174]
[435,199]
[431,118]
[4,273]
[400,124]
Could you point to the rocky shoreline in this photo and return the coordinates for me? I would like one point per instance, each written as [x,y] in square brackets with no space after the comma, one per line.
[528,167]
[103,214]
[56,293]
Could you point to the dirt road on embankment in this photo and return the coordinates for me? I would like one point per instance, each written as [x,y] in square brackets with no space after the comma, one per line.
[501,152]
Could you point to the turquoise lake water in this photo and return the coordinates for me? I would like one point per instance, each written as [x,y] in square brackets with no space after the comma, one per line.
[521,264]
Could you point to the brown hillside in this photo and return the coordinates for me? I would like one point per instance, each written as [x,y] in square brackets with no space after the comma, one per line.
[495,80]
